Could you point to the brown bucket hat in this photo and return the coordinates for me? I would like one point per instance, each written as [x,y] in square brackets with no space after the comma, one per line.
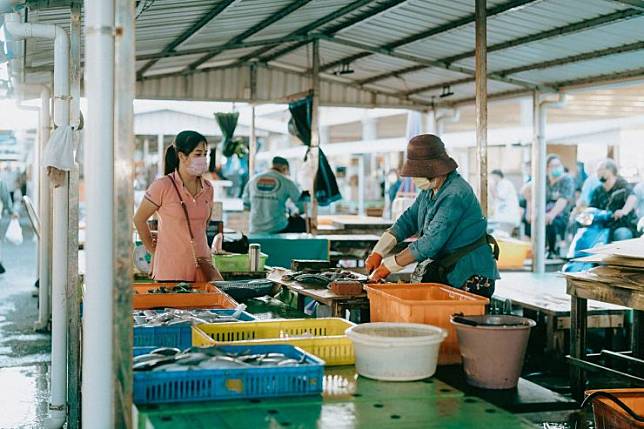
[426,157]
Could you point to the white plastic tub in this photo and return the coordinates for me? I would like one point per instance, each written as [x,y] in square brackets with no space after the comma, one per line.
[396,351]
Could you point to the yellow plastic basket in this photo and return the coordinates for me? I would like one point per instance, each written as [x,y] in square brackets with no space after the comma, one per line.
[324,337]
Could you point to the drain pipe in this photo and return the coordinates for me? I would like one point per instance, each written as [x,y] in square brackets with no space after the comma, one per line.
[539,153]
[445,116]
[42,195]
[22,31]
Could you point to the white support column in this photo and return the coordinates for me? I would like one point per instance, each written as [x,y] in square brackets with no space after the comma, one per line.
[315,127]
[538,223]
[98,384]
[161,154]
[539,154]
[146,152]
[253,132]
[361,184]
[44,215]
[369,128]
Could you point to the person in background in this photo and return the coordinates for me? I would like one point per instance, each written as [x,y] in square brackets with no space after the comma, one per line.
[175,252]
[638,190]
[525,205]
[452,245]
[6,206]
[267,194]
[560,193]
[617,196]
[394,183]
[505,202]
[588,187]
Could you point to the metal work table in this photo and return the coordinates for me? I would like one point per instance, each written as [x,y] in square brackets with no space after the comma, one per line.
[347,224]
[338,303]
[348,402]
[582,289]
[546,294]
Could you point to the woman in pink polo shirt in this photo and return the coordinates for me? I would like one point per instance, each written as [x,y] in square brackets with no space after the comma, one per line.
[174,250]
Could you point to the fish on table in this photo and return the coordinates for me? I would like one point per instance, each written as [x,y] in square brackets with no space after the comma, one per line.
[173,359]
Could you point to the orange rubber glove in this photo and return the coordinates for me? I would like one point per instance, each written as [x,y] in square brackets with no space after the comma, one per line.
[388,266]
[373,261]
[381,273]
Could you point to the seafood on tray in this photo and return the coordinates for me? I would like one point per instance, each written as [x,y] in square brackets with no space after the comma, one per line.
[178,288]
[173,359]
[173,316]
[321,278]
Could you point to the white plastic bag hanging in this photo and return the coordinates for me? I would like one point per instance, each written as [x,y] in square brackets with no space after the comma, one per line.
[14,233]
[59,152]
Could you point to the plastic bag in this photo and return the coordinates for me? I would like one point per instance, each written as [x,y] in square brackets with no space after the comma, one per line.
[14,233]
[59,152]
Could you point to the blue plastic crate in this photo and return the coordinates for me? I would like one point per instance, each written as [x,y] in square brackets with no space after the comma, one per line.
[164,336]
[179,335]
[155,387]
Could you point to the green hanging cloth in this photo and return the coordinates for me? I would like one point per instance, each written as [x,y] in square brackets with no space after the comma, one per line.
[326,185]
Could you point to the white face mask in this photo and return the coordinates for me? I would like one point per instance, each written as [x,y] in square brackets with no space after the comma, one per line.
[423,183]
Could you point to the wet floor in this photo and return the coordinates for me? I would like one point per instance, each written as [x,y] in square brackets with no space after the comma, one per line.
[24,353]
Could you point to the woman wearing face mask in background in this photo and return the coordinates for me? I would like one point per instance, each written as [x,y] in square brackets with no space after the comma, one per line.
[177,249]
[616,195]
[452,245]
[560,199]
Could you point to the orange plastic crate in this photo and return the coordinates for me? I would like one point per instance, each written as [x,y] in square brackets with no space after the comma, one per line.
[609,415]
[428,303]
[211,297]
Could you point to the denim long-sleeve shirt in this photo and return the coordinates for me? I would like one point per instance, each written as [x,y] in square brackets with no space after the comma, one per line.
[445,221]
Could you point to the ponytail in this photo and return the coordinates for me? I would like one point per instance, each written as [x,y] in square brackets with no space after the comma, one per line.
[171,160]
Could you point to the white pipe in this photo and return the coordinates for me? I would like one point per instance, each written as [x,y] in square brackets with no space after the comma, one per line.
[161,154]
[361,185]
[539,153]
[42,197]
[98,383]
[21,31]
[451,115]
[44,204]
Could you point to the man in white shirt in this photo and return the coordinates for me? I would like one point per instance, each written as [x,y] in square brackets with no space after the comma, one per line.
[505,203]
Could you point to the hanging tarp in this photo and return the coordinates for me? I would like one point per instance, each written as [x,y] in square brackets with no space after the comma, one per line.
[326,186]
[228,123]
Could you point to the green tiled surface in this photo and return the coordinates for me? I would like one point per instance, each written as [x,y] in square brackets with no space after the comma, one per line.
[349,402]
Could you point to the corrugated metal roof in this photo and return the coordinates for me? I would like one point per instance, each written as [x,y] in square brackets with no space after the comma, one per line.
[577,27]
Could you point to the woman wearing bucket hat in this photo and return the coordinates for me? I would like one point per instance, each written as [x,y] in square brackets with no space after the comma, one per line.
[452,245]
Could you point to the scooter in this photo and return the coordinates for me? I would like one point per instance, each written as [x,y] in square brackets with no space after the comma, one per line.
[593,230]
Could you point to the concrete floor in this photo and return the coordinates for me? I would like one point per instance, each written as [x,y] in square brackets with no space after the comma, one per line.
[24,354]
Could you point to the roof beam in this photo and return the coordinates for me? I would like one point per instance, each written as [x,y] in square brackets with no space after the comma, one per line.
[603,78]
[637,4]
[585,82]
[288,9]
[630,47]
[575,27]
[423,61]
[349,8]
[451,25]
[227,46]
[202,22]
[438,86]
[579,26]
[404,102]
[339,27]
